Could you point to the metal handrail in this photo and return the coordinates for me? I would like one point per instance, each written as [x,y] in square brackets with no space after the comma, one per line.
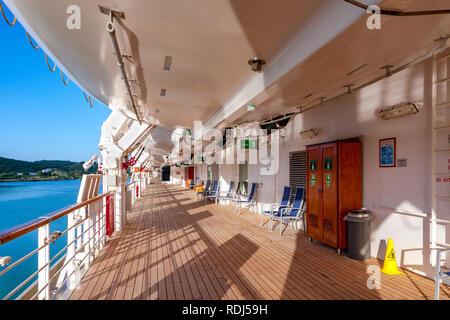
[70,260]
[438,272]
[41,224]
[22,229]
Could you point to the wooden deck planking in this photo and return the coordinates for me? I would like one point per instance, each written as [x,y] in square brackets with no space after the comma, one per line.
[174,247]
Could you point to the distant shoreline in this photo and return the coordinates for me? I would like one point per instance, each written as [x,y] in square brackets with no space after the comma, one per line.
[36,180]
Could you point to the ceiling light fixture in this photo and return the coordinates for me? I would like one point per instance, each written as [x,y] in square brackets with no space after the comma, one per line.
[399,110]
[308,134]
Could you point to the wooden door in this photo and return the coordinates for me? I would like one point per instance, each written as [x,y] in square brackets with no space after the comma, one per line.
[191,173]
[314,192]
[330,194]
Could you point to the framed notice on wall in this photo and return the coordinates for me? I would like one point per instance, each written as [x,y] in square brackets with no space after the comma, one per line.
[387,153]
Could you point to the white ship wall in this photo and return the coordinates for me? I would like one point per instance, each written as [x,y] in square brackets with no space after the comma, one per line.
[399,197]
[407,191]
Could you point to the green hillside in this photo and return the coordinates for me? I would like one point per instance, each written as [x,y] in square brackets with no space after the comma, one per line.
[9,169]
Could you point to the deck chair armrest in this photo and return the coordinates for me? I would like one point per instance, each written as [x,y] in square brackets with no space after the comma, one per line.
[285,210]
[273,205]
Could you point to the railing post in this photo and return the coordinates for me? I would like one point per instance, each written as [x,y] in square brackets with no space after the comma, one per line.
[43,260]
[438,275]
[90,234]
[103,220]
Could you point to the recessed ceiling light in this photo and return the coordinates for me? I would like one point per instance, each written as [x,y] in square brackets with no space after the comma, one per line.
[167,63]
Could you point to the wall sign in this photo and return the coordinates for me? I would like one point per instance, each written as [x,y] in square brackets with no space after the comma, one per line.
[387,153]
[313,180]
[328,164]
[328,179]
[313,164]
[402,163]
[249,144]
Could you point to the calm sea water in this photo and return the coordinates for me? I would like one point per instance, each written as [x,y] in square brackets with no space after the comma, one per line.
[24,201]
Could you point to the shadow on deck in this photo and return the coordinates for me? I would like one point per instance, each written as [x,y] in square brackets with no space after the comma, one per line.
[174,247]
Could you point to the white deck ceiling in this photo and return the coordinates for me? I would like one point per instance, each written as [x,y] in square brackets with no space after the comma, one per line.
[210,42]
[310,47]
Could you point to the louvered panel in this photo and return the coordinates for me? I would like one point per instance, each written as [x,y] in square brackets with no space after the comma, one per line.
[297,171]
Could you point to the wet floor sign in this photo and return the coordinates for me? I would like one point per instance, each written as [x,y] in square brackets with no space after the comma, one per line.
[390,263]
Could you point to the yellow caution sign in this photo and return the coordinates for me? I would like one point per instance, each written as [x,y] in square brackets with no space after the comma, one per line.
[390,263]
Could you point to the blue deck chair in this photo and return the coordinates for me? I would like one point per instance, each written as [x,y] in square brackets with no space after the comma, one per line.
[249,202]
[233,195]
[205,189]
[292,213]
[226,194]
[211,188]
[213,194]
[275,209]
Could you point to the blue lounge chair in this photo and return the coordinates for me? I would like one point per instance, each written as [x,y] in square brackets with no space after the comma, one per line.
[213,194]
[291,213]
[227,194]
[233,195]
[275,209]
[205,189]
[249,202]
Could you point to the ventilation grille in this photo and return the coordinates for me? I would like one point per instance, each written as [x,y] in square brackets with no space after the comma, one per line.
[328,225]
[297,171]
[313,221]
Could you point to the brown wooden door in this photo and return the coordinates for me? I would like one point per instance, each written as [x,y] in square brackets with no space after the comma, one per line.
[191,173]
[329,194]
[314,195]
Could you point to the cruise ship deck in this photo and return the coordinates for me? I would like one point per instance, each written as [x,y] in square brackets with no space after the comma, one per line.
[174,247]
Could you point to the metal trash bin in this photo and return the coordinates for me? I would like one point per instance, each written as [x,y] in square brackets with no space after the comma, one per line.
[358,234]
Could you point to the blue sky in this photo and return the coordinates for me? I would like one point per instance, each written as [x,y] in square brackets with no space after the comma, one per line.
[40,118]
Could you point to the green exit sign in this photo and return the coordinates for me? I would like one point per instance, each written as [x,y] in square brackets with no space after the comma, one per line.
[249,144]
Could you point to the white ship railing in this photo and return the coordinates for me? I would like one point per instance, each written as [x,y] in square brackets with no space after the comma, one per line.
[439,275]
[86,235]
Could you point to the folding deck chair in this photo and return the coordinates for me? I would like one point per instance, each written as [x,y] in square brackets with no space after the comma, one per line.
[275,208]
[247,203]
[227,194]
[203,192]
[213,194]
[291,213]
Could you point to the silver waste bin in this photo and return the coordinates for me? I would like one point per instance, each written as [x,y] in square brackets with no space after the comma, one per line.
[358,234]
